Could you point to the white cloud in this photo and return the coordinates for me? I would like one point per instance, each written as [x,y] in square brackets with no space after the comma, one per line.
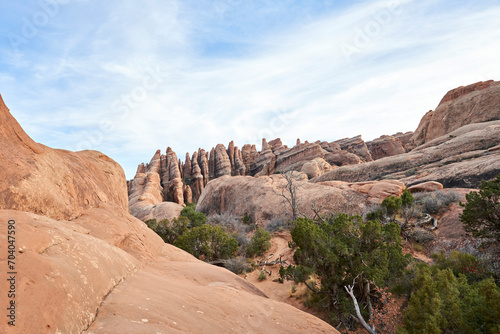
[293,82]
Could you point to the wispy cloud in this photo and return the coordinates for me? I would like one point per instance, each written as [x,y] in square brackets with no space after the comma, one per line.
[239,70]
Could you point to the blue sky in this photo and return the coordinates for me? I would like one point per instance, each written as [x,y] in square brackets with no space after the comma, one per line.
[129,77]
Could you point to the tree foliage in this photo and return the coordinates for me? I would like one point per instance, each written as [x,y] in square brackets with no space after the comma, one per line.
[260,242]
[208,243]
[392,204]
[342,250]
[481,214]
[191,233]
[196,218]
[441,302]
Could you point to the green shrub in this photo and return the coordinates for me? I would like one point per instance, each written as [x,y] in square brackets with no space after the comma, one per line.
[169,232]
[341,250]
[481,214]
[392,204]
[407,198]
[196,219]
[444,303]
[262,275]
[259,243]
[208,243]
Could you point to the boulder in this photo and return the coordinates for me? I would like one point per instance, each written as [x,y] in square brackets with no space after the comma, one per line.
[426,186]
[342,158]
[316,167]
[385,146]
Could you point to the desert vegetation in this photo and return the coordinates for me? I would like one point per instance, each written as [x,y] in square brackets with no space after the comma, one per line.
[221,239]
[354,267]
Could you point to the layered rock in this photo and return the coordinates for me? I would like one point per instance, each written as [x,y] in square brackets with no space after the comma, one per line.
[239,165]
[266,161]
[197,182]
[172,179]
[476,103]
[385,146]
[294,158]
[461,158]
[203,164]
[249,154]
[357,146]
[222,163]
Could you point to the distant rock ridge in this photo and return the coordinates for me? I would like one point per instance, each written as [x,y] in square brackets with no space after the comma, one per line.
[182,182]
[322,160]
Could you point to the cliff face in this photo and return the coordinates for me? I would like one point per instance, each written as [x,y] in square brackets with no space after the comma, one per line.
[476,103]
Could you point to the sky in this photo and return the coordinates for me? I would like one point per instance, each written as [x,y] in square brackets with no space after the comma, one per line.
[130,77]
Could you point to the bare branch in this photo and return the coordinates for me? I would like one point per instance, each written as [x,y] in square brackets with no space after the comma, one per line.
[349,289]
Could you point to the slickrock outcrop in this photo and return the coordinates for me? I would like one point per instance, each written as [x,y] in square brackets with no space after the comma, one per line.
[56,183]
[355,145]
[458,159]
[260,198]
[476,103]
[385,146]
[104,268]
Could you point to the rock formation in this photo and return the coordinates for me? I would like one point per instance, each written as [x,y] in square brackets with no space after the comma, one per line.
[385,146]
[476,103]
[222,164]
[55,183]
[197,182]
[316,167]
[260,198]
[187,168]
[461,158]
[357,146]
[249,154]
[97,269]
